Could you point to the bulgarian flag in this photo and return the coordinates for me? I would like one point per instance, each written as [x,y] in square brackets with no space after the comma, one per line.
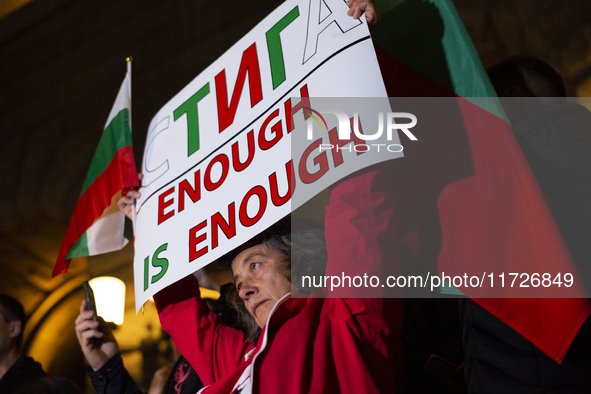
[468,198]
[97,223]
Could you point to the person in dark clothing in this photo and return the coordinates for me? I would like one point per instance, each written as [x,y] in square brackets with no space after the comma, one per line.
[555,137]
[23,375]
[106,370]
[113,378]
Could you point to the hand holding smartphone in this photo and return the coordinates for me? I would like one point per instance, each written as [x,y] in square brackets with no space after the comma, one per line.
[94,336]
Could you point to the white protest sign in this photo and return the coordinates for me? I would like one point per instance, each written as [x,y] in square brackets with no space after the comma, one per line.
[221,163]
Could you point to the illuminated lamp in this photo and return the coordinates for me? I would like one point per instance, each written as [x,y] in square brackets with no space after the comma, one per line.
[109,294]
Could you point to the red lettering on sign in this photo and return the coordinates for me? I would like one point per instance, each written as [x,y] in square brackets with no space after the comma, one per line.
[243,215]
[239,166]
[164,204]
[228,228]
[250,64]
[290,111]
[225,162]
[321,161]
[194,240]
[275,197]
[264,144]
[193,193]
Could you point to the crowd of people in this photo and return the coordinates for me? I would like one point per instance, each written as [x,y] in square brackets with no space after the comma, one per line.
[276,343]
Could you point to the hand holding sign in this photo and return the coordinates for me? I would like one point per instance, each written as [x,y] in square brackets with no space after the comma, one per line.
[358,7]
[126,202]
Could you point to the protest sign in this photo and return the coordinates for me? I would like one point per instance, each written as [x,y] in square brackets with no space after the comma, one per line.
[220,163]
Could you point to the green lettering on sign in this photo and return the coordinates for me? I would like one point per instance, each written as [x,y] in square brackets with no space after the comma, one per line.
[146,272]
[275,50]
[189,107]
[159,262]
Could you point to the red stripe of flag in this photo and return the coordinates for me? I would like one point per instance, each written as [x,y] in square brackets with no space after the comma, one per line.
[120,173]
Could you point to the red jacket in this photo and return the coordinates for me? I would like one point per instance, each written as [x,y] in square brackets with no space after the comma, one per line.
[311,345]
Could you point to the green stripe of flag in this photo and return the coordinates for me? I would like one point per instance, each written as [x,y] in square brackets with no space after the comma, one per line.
[79,249]
[442,37]
[115,136]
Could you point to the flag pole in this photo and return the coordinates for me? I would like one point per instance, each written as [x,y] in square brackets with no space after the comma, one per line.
[133,216]
[129,59]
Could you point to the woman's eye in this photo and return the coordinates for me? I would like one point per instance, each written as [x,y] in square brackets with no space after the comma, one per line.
[239,286]
[254,266]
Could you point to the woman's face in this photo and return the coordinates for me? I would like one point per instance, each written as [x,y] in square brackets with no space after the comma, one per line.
[259,275]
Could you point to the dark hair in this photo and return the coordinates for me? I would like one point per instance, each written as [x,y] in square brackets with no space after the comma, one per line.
[11,310]
[300,241]
[528,72]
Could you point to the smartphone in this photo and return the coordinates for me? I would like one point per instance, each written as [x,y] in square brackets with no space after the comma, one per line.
[89,297]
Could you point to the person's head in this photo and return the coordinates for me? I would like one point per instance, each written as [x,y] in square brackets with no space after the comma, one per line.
[12,323]
[262,269]
[526,76]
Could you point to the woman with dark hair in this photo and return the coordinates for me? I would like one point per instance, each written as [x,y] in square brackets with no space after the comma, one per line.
[319,345]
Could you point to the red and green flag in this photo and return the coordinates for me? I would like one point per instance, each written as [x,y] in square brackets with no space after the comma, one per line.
[471,198]
[97,223]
